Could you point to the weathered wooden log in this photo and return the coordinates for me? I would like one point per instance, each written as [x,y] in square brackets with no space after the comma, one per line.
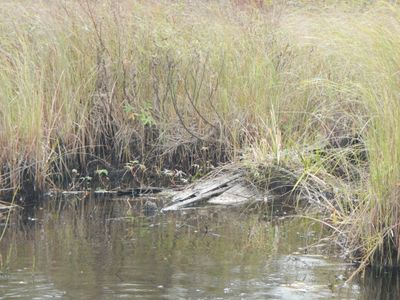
[225,189]
[238,193]
[197,200]
[136,192]
[205,186]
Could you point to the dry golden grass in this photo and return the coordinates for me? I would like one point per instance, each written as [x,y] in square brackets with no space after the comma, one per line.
[174,83]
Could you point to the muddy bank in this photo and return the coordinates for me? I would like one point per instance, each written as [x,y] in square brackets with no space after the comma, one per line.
[152,164]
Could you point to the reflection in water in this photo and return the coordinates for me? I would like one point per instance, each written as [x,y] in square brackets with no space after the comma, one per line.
[381,284]
[97,249]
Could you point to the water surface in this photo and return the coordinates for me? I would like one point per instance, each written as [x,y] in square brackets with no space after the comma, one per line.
[108,249]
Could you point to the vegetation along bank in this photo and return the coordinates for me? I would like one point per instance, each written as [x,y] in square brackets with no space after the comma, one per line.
[305,97]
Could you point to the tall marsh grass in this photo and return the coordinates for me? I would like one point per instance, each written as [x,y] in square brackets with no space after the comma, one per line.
[175,83]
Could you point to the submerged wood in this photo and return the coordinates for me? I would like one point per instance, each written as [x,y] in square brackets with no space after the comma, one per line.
[239,193]
[140,191]
[224,189]
[135,192]
[5,208]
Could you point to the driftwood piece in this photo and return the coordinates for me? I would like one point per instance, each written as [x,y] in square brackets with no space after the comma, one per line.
[226,189]
[239,193]
[201,198]
[5,207]
[205,186]
[135,192]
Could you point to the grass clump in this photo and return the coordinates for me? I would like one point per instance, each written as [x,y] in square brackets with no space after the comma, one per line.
[305,95]
[365,46]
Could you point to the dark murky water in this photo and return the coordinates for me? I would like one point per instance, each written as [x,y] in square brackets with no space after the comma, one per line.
[96,249]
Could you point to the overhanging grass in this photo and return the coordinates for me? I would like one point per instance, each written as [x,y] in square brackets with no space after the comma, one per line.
[166,83]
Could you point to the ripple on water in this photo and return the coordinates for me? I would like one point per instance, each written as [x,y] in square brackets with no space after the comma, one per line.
[78,255]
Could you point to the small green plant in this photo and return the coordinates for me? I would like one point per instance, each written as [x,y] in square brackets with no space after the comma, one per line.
[86,181]
[129,111]
[145,115]
[101,173]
